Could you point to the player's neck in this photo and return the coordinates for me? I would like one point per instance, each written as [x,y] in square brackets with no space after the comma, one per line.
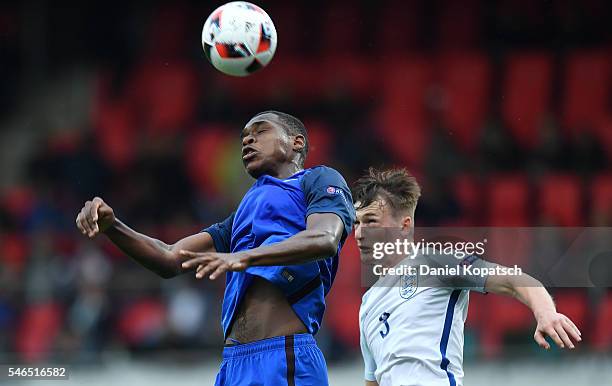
[287,170]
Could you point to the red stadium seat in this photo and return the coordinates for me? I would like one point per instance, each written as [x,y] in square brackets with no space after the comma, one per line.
[601,200]
[508,206]
[114,124]
[508,201]
[320,140]
[468,193]
[602,333]
[601,193]
[465,84]
[14,249]
[37,330]
[573,303]
[559,200]
[477,313]
[204,157]
[510,246]
[343,301]
[166,94]
[142,321]
[403,118]
[18,201]
[505,315]
[587,85]
[116,134]
[527,89]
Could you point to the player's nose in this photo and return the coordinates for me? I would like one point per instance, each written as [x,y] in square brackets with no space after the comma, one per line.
[247,140]
[358,235]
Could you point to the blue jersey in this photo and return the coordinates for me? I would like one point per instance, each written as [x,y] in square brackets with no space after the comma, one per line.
[272,211]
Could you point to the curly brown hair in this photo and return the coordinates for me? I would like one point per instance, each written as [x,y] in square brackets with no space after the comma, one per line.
[396,186]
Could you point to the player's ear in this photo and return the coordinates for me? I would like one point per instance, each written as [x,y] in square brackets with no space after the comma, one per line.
[298,143]
[406,223]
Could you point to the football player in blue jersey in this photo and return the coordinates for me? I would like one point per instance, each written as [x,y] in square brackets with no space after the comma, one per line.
[278,252]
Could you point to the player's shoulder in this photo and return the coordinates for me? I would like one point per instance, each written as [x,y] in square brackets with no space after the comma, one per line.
[365,296]
[321,167]
[323,172]
[364,306]
[369,295]
[371,300]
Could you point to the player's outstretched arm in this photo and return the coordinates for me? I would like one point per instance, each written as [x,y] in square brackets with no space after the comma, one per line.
[98,217]
[320,240]
[532,293]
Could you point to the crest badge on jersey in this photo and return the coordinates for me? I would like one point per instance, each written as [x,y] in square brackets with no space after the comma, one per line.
[408,285]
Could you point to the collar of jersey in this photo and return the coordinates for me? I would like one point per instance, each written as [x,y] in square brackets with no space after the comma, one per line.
[267,176]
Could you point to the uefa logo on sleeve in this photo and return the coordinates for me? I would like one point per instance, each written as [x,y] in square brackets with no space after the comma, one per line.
[331,190]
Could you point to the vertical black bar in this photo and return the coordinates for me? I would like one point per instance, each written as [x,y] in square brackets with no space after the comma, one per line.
[290,357]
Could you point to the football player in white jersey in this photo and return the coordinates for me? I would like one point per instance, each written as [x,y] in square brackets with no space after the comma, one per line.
[412,329]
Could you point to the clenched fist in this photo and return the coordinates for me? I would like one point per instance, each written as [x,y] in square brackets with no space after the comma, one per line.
[95,217]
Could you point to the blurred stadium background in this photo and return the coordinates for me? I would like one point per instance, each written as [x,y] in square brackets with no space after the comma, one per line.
[501,109]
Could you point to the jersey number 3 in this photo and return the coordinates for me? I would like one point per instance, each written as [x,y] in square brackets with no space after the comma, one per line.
[383,318]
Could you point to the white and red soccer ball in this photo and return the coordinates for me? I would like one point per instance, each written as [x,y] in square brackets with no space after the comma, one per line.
[239,38]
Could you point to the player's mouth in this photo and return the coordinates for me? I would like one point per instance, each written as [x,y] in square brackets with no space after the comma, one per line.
[364,249]
[248,153]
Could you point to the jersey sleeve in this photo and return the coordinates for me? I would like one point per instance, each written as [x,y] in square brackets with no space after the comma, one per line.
[467,280]
[221,234]
[327,192]
[368,359]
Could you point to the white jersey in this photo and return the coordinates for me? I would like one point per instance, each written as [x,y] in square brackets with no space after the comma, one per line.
[412,334]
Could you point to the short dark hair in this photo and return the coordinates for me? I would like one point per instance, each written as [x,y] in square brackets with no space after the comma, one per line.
[292,126]
[396,186]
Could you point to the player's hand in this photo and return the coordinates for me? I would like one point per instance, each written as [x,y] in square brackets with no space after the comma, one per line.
[214,263]
[557,326]
[95,217]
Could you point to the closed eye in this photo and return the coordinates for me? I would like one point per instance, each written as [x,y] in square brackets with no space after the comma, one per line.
[367,221]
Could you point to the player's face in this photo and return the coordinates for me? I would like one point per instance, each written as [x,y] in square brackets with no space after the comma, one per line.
[265,146]
[370,226]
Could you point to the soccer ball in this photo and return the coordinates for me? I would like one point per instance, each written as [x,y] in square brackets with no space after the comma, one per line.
[239,38]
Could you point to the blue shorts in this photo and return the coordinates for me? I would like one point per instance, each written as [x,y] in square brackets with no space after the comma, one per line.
[292,360]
